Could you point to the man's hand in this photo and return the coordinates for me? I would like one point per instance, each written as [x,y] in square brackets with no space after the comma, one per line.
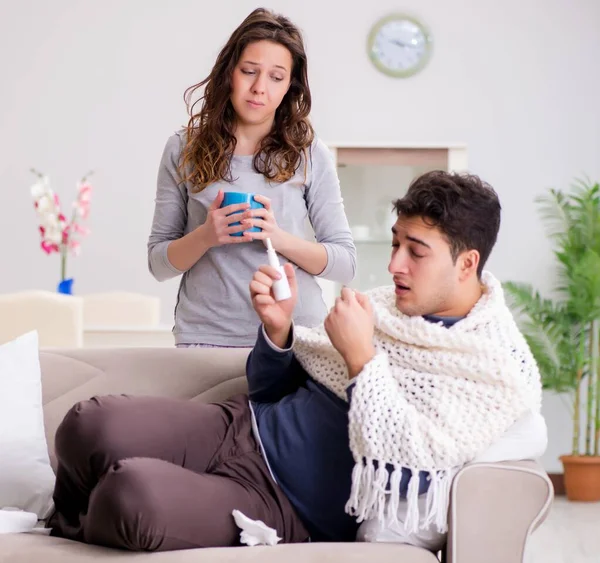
[350,327]
[276,316]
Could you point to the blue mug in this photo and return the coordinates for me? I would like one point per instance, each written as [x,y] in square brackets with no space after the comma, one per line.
[231,198]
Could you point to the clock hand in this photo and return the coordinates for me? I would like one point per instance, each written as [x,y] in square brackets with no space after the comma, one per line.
[399,43]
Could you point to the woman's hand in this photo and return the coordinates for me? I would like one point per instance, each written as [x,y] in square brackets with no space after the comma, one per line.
[217,229]
[264,219]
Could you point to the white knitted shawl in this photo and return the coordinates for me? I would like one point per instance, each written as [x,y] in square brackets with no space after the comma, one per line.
[430,400]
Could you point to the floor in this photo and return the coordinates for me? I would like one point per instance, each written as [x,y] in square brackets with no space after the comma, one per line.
[571,534]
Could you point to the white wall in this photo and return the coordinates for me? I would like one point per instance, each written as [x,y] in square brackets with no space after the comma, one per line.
[98,84]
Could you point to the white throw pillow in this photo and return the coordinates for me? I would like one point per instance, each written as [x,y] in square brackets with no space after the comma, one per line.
[26,477]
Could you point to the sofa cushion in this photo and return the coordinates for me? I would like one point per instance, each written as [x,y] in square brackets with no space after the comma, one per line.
[35,548]
[203,374]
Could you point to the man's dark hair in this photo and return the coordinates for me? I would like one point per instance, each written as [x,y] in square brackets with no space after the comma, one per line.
[465,208]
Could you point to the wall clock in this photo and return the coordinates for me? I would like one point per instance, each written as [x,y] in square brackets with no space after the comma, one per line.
[399,45]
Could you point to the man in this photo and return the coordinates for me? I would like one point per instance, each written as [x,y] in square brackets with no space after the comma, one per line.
[365,419]
[447,226]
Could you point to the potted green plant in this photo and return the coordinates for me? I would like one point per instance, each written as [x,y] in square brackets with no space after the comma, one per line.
[564,332]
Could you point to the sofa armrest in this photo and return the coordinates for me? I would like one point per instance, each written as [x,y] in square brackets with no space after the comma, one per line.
[494,508]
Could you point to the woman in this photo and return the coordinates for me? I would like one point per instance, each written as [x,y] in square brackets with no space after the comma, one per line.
[251,134]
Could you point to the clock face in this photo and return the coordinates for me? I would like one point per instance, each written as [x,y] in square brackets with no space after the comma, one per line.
[399,46]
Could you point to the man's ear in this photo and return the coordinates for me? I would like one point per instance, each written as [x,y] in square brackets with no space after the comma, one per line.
[468,262]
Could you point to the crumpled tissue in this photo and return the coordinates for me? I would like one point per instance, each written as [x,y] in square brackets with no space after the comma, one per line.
[15,521]
[254,532]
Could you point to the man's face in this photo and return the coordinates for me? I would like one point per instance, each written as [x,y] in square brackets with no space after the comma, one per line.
[428,281]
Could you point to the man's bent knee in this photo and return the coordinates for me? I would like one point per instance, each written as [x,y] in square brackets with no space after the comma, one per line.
[122,511]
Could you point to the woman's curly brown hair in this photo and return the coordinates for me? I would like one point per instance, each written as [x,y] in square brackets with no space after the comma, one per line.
[210,144]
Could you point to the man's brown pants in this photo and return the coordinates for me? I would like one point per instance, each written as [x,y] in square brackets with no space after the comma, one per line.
[157,474]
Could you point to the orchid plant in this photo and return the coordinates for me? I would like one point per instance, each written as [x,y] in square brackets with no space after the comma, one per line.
[59,234]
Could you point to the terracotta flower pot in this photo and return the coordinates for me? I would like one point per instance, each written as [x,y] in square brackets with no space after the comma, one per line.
[582,477]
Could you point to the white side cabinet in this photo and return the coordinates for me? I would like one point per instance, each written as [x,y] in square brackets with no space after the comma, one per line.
[371,178]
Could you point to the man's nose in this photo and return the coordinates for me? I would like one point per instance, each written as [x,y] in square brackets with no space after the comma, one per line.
[398,263]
